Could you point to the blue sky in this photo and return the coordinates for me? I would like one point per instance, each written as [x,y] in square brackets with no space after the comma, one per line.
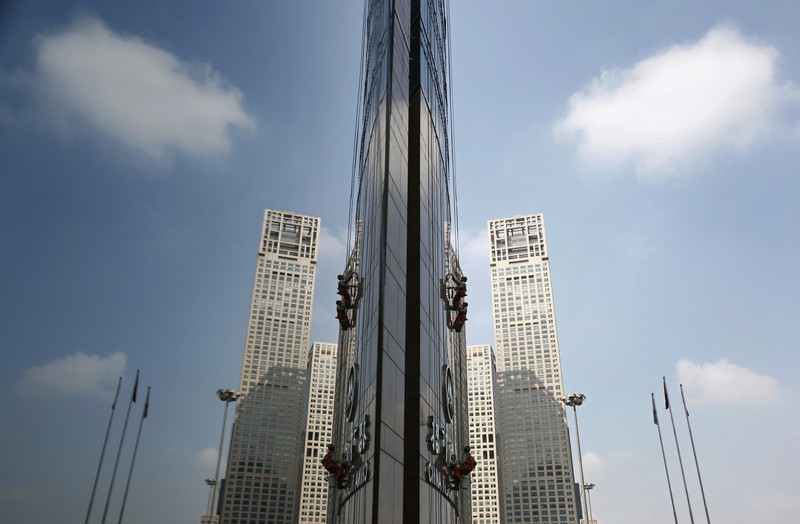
[140,143]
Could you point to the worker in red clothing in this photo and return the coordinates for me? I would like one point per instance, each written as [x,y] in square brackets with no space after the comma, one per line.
[460,293]
[331,464]
[465,468]
[461,317]
[341,316]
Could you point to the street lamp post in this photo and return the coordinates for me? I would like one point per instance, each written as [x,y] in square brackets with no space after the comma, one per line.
[575,400]
[589,487]
[227,396]
[211,483]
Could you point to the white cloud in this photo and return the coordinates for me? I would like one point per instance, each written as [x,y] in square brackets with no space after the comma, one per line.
[637,248]
[16,81]
[206,458]
[78,374]
[140,95]
[725,383]
[474,248]
[332,247]
[675,108]
[474,258]
[594,463]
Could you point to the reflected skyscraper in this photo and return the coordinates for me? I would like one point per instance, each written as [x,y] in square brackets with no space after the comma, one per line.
[401,407]
[536,460]
[265,445]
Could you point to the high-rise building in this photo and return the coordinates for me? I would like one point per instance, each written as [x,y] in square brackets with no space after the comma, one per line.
[538,476]
[487,496]
[318,409]
[401,405]
[265,445]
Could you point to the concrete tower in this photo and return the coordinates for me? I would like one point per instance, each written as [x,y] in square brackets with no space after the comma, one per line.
[265,445]
[317,407]
[484,433]
[538,478]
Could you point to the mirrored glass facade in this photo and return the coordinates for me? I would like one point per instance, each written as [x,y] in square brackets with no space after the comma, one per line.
[536,460]
[401,405]
[265,445]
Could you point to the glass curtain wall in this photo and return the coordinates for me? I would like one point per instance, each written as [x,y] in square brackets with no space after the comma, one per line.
[401,368]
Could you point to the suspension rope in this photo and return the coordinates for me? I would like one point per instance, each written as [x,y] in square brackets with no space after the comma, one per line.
[452,141]
[353,215]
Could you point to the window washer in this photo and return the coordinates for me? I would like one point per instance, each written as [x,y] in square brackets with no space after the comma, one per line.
[343,289]
[341,316]
[331,463]
[465,468]
[461,317]
[460,293]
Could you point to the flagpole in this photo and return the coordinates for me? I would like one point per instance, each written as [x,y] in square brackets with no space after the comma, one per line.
[119,450]
[133,459]
[664,455]
[103,452]
[680,461]
[694,452]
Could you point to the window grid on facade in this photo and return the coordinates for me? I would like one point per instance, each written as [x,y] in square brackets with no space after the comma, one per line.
[538,479]
[262,462]
[487,501]
[318,402]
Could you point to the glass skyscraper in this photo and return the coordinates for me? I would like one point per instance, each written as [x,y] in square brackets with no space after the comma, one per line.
[401,404]
[536,460]
[265,445]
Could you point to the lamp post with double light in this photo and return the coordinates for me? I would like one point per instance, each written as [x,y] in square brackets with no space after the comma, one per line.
[588,488]
[575,400]
[227,396]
